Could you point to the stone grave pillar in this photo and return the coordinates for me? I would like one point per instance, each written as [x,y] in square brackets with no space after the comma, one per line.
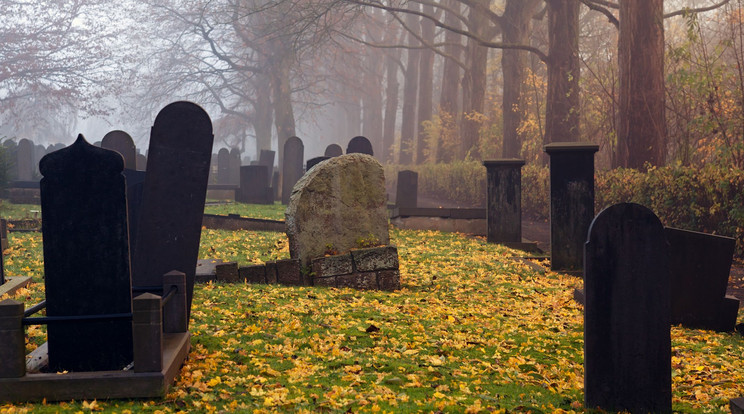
[173,198]
[25,160]
[86,258]
[294,154]
[12,340]
[406,192]
[504,203]
[223,166]
[627,344]
[122,143]
[234,166]
[571,202]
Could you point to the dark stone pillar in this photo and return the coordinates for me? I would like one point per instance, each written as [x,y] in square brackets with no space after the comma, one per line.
[571,202]
[174,312]
[12,340]
[504,203]
[147,331]
[253,187]
[627,344]
[294,154]
[406,192]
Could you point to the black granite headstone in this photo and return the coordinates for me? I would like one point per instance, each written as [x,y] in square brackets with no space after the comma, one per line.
[359,144]
[25,160]
[699,269]
[406,192]
[86,258]
[333,150]
[135,191]
[174,193]
[312,162]
[223,166]
[122,143]
[253,188]
[504,203]
[294,155]
[627,344]
[571,202]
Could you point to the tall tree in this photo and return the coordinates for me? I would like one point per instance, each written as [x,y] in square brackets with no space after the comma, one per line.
[410,87]
[426,83]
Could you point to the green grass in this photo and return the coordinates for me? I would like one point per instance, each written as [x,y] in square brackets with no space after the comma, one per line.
[12,211]
[473,329]
[263,211]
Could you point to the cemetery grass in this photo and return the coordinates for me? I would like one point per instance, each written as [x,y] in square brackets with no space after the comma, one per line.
[473,329]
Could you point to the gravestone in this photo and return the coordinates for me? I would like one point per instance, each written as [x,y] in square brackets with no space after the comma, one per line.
[122,143]
[335,205]
[360,145]
[627,344]
[406,192]
[333,150]
[266,158]
[312,162]
[223,166]
[25,160]
[11,154]
[86,258]
[504,202]
[39,153]
[174,193]
[135,191]
[294,155]
[141,162]
[234,166]
[699,269]
[571,202]
[253,188]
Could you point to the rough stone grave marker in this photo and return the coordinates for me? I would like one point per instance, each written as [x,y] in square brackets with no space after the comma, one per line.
[25,160]
[335,204]
[122,143]
[406,192]
[359,144]
[294,155]
[86,257]
[333,150]
[627,343]
[174,193]
[223,166]
[699,269]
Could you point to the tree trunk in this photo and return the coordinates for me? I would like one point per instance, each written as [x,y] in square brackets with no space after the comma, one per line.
[372,96]
[284,120]
[263,118]
[562,102]
[641,123]
[410,87]
[426,82]
[473,88]
[448,107]
[515,29]
[391,106]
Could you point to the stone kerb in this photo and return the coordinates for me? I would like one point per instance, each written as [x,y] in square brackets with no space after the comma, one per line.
[334,205]
[368,268]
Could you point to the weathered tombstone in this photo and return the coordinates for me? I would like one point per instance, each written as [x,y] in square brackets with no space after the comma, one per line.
[504,203]
[334,205]
[174,194]
[25,160]
[253,188]
[234,166]
[312,162]
[39,153]
[571,202]
[294,154]
[360,145]
[86,258]
[699,269]
[266,157]
[11,154]
[223,166]
[627,344]
[122,143]
[333,150]
[406,192]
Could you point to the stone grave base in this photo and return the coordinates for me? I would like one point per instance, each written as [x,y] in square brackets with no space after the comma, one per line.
[370,268]
[101,384]
[236,222]
[14,283]
[737,406]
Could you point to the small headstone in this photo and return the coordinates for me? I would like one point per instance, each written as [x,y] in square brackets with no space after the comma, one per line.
[266,158]
[335,205]
[174,194]
[122,143]
[223,166]
[312,162]
[360,145]
[333,150]
[504,202]
[39,153]
[25,160]
[571,202]
[253,188]
[11,154]
[86,257]
[627,344]
[699,269]
[406,192]
[294,155]
[234,166]
[141,162]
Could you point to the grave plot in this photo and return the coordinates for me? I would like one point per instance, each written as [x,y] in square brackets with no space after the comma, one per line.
[101,343]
